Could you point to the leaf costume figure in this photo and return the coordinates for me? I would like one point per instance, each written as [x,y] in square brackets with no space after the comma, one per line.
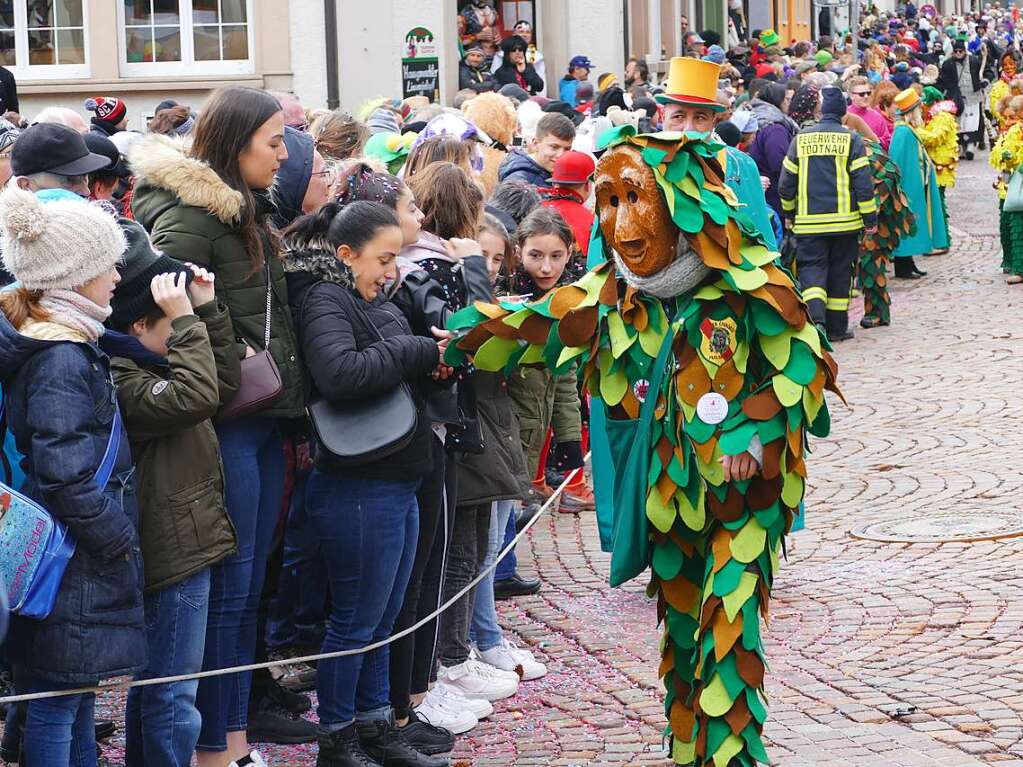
[700,347]
[894,220]
[1007,158]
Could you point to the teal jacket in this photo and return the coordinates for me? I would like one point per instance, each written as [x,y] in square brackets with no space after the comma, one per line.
[920,183]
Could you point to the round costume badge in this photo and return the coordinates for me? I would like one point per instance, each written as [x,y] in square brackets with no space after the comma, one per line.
[712,408]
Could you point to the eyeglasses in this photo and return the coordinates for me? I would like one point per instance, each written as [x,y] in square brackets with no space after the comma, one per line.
[329,175]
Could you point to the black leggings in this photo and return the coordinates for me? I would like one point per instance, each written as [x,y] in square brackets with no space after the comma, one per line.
[412,658]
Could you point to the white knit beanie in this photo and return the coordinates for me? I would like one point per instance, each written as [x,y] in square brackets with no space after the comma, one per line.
[62,243]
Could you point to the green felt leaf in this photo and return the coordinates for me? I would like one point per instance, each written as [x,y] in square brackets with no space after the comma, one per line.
[469,317]
[758,254]
[769,517]
[717,731]
[755,744]
[734,600]
[756,706]
[714,700]
[733,745]
[661,515]
[613,386]
[747,281]
[533,355]
[787,390]
[741,356]
[792,489]
[653,155]
[687,215]
[650,341]
[621,339]
[737,440]
[811,336]
[716,208]
[516,319]
[771,430]
[802,366]
[693,515]
[683,752]
[821,425]
[667,560]
[678,168]
[749,543]
[493,354]
[709,293]
[682,628]
[750,626]
[614,137]
[698,430]
[678,472]
[689,187]
[729,673]
[777,348]
[569,353]
[737,524]
[726,580]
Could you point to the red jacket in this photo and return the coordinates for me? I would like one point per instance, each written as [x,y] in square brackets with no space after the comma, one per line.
[570,205]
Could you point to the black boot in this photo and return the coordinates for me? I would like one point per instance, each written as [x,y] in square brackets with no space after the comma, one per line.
[383,741]
[341,748]
[916,269]
[516,586]
[295,702]
[270,722]
[904,269]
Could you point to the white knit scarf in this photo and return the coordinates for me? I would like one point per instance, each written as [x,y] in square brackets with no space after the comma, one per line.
[75,311]
[679,277]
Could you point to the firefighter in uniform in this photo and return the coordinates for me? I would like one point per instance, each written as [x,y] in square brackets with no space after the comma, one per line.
[827,193]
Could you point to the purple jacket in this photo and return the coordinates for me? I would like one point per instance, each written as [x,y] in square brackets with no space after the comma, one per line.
[768,150]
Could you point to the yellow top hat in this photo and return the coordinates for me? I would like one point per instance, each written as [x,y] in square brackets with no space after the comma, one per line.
[907,101]
[692,82]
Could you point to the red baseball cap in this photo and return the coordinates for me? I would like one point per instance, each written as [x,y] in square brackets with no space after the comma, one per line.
[573,168]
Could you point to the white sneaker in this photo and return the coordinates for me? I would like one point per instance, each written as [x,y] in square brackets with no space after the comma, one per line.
[440,712]
[501,671]
[478,680]
[255,760]
[508,657]
[453,698]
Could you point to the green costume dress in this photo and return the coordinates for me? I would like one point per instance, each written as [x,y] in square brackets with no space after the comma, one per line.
[740,365]
[894,221]
[920,184]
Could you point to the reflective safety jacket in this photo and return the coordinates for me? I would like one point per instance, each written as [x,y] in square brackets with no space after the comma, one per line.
[826,184]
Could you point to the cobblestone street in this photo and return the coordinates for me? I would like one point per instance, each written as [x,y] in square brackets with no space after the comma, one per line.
[883,654]
[892,654]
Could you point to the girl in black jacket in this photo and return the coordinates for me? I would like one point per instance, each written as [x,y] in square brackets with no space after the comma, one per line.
[356,345]
[516,70]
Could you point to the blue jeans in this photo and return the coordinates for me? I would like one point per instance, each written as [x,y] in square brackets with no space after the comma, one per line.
[299,608]
[369,531]
[486,631]
[253,455]
[161,722]
[60,732]
[506,567]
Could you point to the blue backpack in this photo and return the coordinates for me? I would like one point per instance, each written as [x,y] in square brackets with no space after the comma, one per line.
[35,548]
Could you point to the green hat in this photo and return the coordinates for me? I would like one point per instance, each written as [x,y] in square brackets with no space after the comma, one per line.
[769,37]
[932,95]
[823,58]
[391,148]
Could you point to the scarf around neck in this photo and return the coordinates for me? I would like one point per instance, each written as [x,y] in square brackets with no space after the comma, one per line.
[75,311]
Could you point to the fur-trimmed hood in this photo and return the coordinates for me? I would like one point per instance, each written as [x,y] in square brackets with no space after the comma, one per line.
[160,161]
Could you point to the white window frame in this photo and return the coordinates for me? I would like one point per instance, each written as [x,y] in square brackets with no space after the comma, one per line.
[22,70]
[188,65]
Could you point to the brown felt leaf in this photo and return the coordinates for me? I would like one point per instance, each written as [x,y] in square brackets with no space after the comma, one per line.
[493,311]
[736,302]
[816,386]
[499,329]
[763,492]
[578,327]
[711,252]
[609,290]
[751,668]
[772,458]
[795,440]
[710,608]
[701,739]
[630,404]
[721,546]
[680,593]
[738,715]
[791,308]
[667,660]
[776,276]
[536,329]
[685,546]
[762,406]
[728,381]
[666,487]
[692,382]
[734,242]
[705,450]
[731,508]
[682,721]
[725,634]
[474,339]
[565,299]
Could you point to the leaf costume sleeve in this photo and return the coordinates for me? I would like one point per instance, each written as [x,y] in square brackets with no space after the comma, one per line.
[742,333]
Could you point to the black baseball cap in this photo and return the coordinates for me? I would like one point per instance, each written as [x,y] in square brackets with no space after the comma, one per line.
[103,146]
[53,148]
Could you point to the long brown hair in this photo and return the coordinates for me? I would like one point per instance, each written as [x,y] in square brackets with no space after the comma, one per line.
[438,149]
[166,120]
[21,304]
[451,201]
[338,135]
[223,131]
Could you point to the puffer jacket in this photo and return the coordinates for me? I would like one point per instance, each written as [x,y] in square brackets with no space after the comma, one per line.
[191,215]
[519,166]
[60,407]
[356,349]
[775,131]
[167,404]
